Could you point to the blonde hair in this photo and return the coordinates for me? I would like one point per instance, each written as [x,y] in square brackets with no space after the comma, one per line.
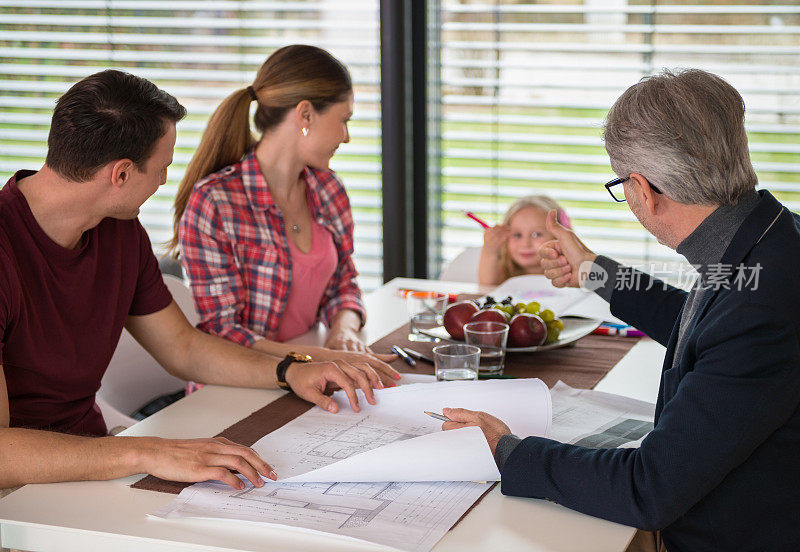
[542,202]
[289,76]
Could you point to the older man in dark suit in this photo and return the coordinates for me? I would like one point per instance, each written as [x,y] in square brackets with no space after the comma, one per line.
[720,470]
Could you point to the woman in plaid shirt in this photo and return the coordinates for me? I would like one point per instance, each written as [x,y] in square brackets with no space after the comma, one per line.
[265,228]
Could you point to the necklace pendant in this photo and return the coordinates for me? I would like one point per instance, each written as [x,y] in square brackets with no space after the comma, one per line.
[296,228]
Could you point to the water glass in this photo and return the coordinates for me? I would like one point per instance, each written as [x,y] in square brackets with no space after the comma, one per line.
[491,338]
[456,362]
[425,312]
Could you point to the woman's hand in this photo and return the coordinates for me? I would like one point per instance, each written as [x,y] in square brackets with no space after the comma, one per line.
[345,339]
[343,335]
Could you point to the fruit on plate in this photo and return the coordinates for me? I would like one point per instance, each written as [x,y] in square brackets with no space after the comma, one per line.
[554,328]
[457,315]
[490,315]
[533,307]
[527,330]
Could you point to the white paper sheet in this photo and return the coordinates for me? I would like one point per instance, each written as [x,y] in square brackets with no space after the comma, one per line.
[407,516]
[599,420]
[562,301]
[396,441]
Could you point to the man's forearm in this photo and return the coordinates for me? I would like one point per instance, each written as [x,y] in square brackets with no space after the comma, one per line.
[215,360]
[33,456]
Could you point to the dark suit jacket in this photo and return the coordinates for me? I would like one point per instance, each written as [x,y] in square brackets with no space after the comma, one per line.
[721,468]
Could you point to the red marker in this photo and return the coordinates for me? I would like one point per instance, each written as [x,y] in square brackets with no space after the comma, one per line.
[469,214]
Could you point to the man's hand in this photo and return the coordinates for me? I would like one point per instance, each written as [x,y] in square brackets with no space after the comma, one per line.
[314,380]
[377,363]
[562,258]
[492,428]
[193,460]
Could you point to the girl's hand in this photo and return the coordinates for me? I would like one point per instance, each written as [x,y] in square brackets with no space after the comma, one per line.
[495,237]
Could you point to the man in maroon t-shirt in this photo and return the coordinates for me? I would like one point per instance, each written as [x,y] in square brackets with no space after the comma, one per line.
[76,267]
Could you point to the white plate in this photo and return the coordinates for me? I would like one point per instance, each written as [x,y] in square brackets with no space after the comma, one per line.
[575,327]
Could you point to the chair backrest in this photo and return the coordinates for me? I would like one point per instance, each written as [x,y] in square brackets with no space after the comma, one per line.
[133,377]
[464,268]
[183,297]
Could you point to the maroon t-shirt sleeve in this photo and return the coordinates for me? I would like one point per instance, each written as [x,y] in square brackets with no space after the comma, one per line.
[151,294]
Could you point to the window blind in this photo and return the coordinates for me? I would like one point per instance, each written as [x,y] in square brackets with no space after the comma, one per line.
[199,51]
[526,86]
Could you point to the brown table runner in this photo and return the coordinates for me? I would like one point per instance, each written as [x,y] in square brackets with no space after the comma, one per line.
[581,366]
[245,432]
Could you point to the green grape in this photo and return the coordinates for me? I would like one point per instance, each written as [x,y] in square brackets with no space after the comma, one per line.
[547,315]
[552,334]
[557,323]
[520,307]
[532,307]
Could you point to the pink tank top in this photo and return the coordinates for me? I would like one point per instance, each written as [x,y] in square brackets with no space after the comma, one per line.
[311,273]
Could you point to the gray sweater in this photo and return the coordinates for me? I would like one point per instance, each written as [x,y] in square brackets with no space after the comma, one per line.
[703,248]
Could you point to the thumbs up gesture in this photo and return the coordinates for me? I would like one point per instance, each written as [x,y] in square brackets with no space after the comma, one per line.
[563,258]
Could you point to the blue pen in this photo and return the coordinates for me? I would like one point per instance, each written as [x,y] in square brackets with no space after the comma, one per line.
[402,354]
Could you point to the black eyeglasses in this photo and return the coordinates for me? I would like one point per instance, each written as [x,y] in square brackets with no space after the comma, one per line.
[616,181]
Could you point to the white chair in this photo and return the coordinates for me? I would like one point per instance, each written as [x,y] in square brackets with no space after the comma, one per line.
[464,268]
[133,377]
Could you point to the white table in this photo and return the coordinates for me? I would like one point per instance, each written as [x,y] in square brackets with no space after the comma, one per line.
[108,515]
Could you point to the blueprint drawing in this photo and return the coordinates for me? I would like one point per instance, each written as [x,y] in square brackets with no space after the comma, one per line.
[407,516]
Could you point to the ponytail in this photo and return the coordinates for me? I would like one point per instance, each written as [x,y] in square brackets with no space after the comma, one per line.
[226,139]
[290,75]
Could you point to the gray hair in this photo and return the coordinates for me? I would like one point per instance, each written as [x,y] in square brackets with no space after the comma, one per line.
[684,132]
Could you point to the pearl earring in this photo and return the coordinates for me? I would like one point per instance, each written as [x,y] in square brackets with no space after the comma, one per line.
[304,130]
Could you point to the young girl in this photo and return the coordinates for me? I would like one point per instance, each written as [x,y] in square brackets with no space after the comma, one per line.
[512,248]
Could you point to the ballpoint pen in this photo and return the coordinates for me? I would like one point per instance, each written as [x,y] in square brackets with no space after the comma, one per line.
[402,354]
[441,417]
[417,355]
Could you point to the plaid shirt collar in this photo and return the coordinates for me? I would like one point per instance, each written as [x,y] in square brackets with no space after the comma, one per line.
[258,193]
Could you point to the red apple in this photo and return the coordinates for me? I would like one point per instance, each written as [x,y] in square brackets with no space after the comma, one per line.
[526,330]
[456,316]
[490,315]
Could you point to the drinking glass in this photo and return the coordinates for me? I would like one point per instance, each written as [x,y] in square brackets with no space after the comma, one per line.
[491,338]
[456,362]
[425,312]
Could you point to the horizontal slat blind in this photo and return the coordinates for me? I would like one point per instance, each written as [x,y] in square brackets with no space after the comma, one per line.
[199,51]
[525,88]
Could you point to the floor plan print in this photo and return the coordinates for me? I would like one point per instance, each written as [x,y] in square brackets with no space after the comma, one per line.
[355,503]
[355,439]
[407,516]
